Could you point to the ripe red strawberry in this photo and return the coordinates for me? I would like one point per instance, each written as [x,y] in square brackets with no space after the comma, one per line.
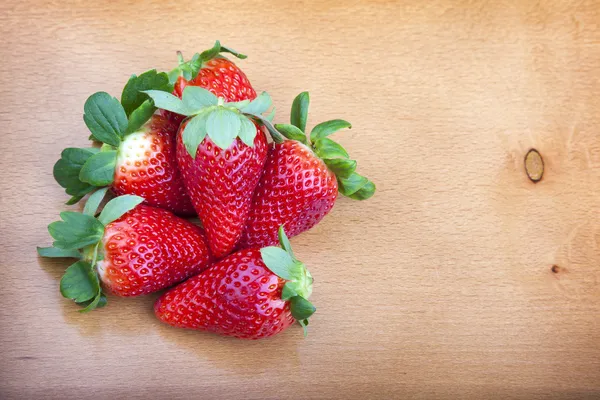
[137,157]
[131,249]
[212,71]
[221,152]
[300,181]
[251,294]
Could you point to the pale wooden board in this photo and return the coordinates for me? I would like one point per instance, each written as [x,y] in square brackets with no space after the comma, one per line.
[438,287]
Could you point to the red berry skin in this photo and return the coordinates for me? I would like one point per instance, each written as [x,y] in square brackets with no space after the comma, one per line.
[221,184]
[147,167]
[238,296]
[220,76]
[223,78]
[296,190]
[149,249]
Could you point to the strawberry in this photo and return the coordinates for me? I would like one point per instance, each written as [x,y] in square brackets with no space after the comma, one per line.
[251,294]
[301,180]
[211,71]
[221,151]
[131,249]
[137,157]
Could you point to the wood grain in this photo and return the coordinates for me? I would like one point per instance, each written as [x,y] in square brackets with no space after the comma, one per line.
[461,278]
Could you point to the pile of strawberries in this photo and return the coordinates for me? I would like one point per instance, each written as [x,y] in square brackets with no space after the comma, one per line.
[195,141]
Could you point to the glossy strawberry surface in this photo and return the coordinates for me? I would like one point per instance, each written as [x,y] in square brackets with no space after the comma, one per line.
[147,167]
[296,190]
[148,249]
[220,76]
[221,184]
[238,296]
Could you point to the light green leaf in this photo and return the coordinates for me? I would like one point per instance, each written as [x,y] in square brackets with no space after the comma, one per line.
[364,192]
[194,133]
[352,184]
[99,301]
[327,148]
[99,170]
[341,167]
[167,101]
[326,128]
[291,132]
[247,131]
[259,105]
[279,262]
[133,97]
[80,282]
[53,252]
[93,202]
[299,113]
[285,242]
[289,290]
[118,206]
[140,116]
[222,126]
[196,98]
[105,118]
[75,231]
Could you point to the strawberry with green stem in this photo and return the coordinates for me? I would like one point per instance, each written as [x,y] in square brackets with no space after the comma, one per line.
[138,152]
[129,249]
[214,72]
[301,179]
[221,150]
[252,294]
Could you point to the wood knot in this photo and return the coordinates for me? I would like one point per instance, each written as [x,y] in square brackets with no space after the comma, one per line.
[534,165]
[555,269]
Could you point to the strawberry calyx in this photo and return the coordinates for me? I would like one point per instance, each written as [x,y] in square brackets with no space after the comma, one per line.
[350,183]
[189,69]
[298,288]
[81,171]
[79,235]
[209,115]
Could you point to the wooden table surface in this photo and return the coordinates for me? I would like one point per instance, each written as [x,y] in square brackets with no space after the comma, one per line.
[461,278]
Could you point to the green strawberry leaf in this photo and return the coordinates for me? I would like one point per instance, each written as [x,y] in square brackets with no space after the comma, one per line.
[301,308]
[80,282]
[247,131]
[99,170]
[132,96]
[194,133]
[140,116]
[167,101]
[196,98]
[66,171]
[279,262]
[299,113]
[326,128]
[352,184]
[105,118]
[364,192]
[75,231]
[259,105]
[275,135]
[271,115]
[93,202]
[101,302]
[54,252]
[222,126]
[285,242]
[327,148]
[289,290]
[118,206]
[341,167]
[292,132]
[98,302]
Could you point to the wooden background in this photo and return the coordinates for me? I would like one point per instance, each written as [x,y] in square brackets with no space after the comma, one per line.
[441,286]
